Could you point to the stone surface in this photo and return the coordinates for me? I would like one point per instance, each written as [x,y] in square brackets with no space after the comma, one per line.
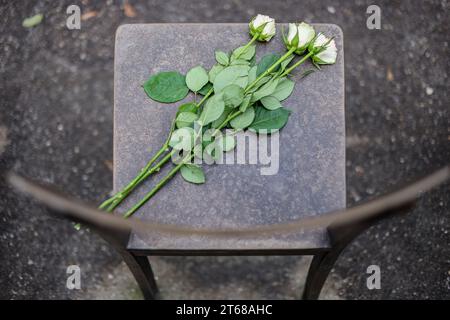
[311,176]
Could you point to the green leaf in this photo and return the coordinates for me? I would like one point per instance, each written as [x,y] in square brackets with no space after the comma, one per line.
[270,119]
[204,91]
[187,107]
[222,58]
[32,21]
[233,95]
[252,61]
[252,74]
[243,120]
[242,82]
[228,142]
[196,78]
[260,82]
[182,139]
[198,150]
[244,53]
[192,173]
[231,75]
[271,103]
[283,89]
[216,123]
[208,136]
[215,70]
[213,109]
[245,103]
[166,87]
[185,119]
[266,90]
[240,62]
[214,150]
[266,62]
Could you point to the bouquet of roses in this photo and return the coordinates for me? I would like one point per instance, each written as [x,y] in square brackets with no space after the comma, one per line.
[237,93]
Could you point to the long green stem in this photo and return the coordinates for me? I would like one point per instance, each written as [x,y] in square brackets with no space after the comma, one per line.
[276,64]
[211,91]
[204,98]
[172,172]
[106,203]
[237,113]
[287,71]
[146,168]
[133,183]
[146,174]
[158,186]
[295,65]
[248,44]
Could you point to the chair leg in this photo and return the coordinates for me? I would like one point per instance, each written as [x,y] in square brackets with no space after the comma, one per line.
[143,273]
[319,269]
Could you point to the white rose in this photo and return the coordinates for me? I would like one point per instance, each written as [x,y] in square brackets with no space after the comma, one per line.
[326,51]
[292,33]
[264,26]
[299,37]
[306,34]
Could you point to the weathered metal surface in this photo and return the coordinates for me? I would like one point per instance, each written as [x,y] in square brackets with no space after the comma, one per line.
[311,176]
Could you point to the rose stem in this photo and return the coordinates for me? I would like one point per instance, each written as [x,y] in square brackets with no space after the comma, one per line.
[154,169]
[303,59]
[262,75]
[136,180]
[172,173]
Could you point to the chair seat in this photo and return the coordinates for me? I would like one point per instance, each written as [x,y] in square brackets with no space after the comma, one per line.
[310,179]
[293,244]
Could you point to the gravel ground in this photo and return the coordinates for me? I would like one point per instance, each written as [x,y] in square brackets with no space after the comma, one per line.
[56,93]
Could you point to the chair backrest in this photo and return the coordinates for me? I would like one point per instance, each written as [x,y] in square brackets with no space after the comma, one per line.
[343,224]
[112,228]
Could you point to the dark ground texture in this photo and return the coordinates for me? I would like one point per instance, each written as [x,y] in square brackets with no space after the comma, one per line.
[56,107]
